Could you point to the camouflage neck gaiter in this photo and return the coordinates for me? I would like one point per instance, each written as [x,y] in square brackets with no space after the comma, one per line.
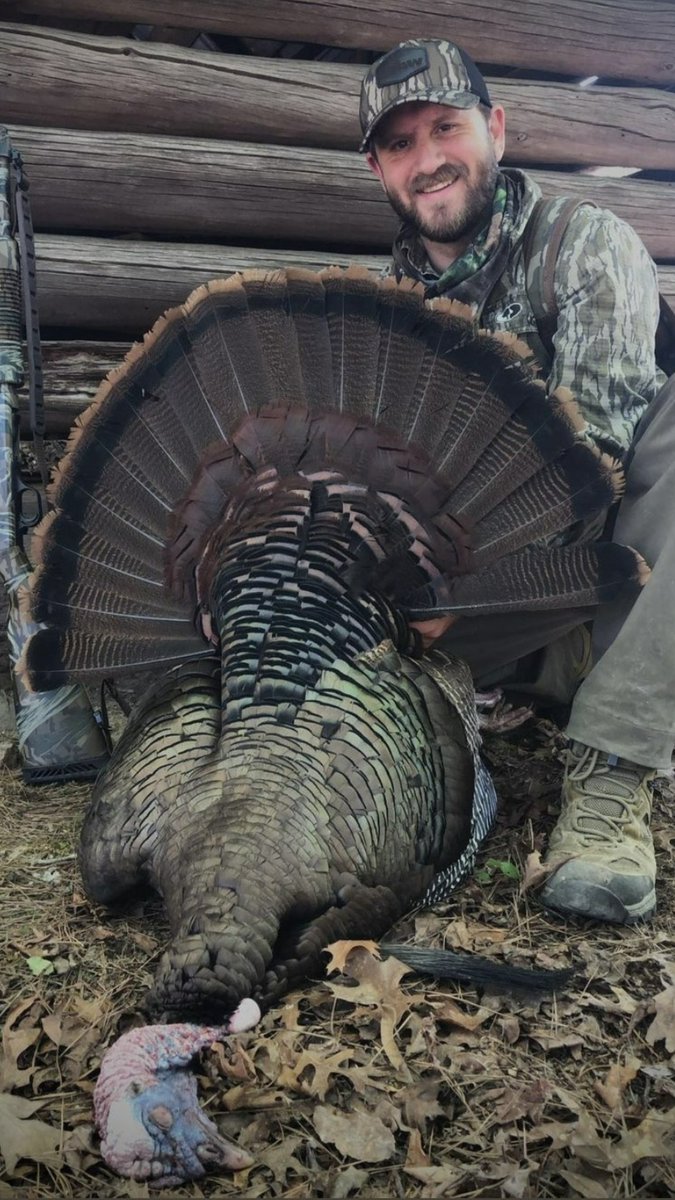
[473,275]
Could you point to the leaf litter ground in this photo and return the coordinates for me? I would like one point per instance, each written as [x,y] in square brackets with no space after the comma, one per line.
[370,1082]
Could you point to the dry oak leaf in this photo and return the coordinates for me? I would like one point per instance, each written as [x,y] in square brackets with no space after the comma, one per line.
[340,951]
[323,1068]
[14,1042]
[23,1137]
[378,984]
[357,1134]
[282,1158]
[612,1087]
[663,1025]
[461,934]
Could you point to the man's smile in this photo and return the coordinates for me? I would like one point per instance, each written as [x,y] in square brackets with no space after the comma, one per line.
[437,187]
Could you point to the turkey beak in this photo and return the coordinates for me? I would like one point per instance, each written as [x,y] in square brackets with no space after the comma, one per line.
[219,1152]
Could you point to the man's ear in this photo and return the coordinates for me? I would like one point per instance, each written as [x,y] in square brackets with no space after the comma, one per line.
[497,130]
[372,160]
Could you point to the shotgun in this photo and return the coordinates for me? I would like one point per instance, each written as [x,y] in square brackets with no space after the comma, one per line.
[59,735]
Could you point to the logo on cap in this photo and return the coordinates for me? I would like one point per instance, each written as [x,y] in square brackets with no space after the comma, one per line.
[400,65]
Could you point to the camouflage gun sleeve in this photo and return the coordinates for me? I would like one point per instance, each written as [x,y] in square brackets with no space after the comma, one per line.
[607,293]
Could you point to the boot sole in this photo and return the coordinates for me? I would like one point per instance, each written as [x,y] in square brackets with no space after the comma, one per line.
[593,902]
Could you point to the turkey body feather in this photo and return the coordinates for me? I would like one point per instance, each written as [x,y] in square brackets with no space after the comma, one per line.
[297,465]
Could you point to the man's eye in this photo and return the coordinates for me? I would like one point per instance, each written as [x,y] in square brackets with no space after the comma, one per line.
[447,127]
[399,144]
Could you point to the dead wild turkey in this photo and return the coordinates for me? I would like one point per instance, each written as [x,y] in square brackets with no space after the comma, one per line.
[288,470]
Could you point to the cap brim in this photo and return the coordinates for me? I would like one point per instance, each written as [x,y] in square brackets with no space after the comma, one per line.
[461,99]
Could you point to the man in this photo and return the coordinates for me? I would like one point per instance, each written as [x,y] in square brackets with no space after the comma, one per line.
[435,140]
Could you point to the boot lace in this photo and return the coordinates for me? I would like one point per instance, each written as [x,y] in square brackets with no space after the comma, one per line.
[605,795]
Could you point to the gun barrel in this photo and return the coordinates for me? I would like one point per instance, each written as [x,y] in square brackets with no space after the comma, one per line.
[59,737]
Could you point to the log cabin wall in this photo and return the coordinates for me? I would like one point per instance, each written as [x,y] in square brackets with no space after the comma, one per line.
[162,155]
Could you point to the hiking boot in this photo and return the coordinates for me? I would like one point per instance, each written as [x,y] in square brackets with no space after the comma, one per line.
[602,840]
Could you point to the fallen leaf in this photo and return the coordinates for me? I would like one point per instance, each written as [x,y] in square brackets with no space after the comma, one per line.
[340,951]
[556,1041]
[416,1156]
[528,1100]
[612,1087]
[378,984]
[23,1137]
[321,1069]
[76,1038]
[40,966]
[663,1025]
[281,1158]
[419,1103]
[350,1179]
[514,1179]
[144,941]
[591,1187]
[535,872]
[472,935]
[17,1038]
[438,1181]
[450,1011]
[357,1134]
[80,1149]
[510,1027]
[654,1137]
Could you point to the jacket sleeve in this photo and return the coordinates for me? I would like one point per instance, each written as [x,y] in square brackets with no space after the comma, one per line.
[607,294]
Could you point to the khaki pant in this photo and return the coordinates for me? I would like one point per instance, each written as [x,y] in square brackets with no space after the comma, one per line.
[626,705]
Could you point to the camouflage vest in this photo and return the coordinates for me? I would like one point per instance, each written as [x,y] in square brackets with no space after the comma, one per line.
[542,239]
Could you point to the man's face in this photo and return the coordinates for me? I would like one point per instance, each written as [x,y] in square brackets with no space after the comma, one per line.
[438,166]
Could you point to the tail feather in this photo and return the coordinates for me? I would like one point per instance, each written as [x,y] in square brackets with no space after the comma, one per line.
[573,487]
[52,657]
[401,356]
[243,383]
[306,297]
[353,329]
[434,440]
[538,578]
[270,312]
[533,436]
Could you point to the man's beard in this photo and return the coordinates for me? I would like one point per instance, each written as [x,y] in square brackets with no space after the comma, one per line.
[454,226]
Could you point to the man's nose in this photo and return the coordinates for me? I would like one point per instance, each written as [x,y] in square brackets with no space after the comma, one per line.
[430,156]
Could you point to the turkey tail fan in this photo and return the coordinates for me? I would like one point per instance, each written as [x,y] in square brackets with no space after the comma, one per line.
[538,578]
[438,438]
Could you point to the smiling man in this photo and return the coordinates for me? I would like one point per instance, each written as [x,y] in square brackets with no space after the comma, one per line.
[578,286]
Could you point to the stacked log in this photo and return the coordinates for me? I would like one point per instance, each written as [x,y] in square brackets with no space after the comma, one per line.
[154,166]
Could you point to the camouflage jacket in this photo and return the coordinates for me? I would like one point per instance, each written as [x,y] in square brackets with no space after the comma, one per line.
[607,293]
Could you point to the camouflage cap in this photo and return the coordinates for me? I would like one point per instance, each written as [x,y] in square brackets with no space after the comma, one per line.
[437,71]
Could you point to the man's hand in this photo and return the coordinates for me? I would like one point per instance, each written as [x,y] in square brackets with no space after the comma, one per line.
[430,630]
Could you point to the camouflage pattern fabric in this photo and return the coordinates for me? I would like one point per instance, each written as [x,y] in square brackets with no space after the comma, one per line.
[435,71]
[607,294]
[479,268]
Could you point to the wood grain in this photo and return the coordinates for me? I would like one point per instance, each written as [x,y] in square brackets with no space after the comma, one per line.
[620,39]
[78,81]
[207,190]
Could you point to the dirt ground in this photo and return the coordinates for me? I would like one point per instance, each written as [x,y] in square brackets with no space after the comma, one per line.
[370,1082]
